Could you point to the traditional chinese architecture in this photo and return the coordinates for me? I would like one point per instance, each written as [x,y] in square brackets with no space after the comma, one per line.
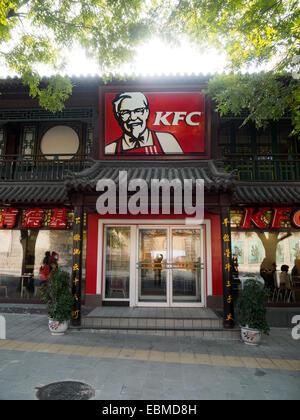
[123,246]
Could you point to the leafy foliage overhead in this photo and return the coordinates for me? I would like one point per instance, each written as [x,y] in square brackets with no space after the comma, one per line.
[264,96]
[256,32]
[34,32]
[250,32]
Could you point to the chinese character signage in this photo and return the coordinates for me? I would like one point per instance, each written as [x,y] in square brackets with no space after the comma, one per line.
[57,218]
[228,313]
[8,218]
[33,218]
[77,263]
[152,124]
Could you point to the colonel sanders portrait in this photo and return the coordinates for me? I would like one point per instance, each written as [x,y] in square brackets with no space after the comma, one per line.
[131,110]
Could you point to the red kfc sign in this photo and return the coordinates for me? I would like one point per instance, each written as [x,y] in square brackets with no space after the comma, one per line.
[150,124]
[255,217]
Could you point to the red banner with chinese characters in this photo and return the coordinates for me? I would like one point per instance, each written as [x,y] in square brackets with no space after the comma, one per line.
[152,124]
[57,218]
[8,218]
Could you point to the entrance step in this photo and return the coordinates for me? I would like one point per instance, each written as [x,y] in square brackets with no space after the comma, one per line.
[194,322]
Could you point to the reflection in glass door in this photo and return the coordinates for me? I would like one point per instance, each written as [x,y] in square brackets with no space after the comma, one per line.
[186,265]
[169,265]
[117,262]
[152,273]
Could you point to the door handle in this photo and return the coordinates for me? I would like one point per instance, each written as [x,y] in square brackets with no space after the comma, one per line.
[170,265]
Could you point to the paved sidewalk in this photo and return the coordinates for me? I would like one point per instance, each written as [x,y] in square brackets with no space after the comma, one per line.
[144,367]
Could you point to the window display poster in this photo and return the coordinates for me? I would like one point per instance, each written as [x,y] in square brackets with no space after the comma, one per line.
[237,248]
[280,253]
[294,244]
[255,252]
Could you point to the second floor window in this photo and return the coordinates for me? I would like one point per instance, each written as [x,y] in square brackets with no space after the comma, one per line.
[60,139]
[28,143]
[2,142]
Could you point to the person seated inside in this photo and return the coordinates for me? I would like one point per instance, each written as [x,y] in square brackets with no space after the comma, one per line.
[296,271]
[268,273]
[284,277]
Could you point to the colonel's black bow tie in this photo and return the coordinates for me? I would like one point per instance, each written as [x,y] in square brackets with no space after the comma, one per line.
[138,142]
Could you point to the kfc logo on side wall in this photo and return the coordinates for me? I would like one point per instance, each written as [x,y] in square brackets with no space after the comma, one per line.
[255,217]
[154,123]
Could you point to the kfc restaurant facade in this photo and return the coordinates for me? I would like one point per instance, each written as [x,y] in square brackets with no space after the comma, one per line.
[157,205]
[142,204]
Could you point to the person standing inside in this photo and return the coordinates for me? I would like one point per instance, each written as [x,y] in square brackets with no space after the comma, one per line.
[45,269]
[54,261]
[157,269]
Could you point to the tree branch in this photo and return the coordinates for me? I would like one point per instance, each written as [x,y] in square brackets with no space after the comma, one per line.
[11,13]
[287,235]
[262,237]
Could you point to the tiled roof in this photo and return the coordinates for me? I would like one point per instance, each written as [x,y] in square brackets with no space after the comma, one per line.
[268,192]
[16,83]
[32,191]
[215,178]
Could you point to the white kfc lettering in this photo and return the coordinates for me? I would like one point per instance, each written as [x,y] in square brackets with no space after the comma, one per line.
[161,117]
[188,119]
[178,116]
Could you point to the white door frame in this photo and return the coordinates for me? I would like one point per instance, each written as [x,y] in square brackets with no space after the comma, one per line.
[169,280]
[205,227]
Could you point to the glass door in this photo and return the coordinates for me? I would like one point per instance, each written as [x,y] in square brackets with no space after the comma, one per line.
[117,262]
[186,265]
[152,271]
[169,266]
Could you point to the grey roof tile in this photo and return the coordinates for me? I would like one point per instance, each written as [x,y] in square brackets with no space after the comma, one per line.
[32,192]
[259,192]
[268,192]
[215,178]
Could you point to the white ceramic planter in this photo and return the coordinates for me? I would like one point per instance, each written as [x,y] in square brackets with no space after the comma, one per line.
[250,336]
[56,327]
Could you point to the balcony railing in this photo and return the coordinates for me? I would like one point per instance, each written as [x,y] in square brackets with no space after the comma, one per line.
[40,167]
[54,167]
[265,167]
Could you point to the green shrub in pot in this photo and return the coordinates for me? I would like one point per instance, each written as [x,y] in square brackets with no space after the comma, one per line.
[57,296]
[250,307]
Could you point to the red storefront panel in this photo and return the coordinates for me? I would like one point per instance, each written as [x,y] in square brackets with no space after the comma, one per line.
[91,255]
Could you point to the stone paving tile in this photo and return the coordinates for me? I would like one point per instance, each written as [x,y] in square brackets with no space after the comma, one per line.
[147,367]
[106,311]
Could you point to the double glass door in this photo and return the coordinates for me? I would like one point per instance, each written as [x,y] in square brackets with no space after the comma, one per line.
[169,265]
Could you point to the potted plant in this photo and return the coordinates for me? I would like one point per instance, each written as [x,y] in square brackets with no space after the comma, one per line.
[251,311]
[57,296]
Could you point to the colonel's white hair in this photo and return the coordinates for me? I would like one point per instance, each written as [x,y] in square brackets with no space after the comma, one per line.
[137,96]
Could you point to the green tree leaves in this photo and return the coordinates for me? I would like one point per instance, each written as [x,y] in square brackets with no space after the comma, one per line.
[265,96]
[252,32]
[37,31]
[249,32]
